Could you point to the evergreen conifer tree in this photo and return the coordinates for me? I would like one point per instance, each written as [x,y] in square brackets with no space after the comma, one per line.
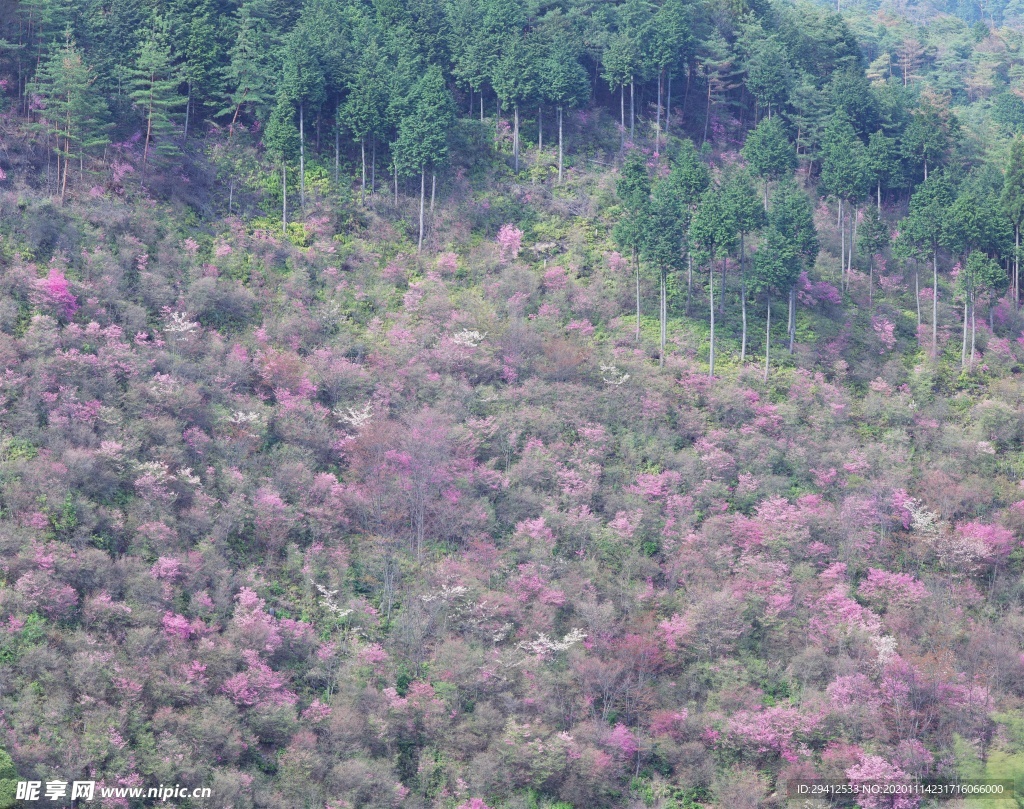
[155,80]
[1012,202]
[74,110]
[281,139]
[769,153]
[634,190]
[423,134]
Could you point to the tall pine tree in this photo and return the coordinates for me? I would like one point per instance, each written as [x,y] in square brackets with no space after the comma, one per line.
[154,91]
[74,110]
[423,134]
[924,227]
[714,232]
[634,190]
[1012,202]
[365,110]
[281,139]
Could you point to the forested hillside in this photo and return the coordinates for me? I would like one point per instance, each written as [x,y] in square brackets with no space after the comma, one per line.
[501,405]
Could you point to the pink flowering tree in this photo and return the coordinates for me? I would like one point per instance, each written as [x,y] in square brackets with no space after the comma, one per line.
[993,543]
[257,685]
[53,294]
[623,742]
[779,730]
[274,520]
[876,770]
[510,240]
[885,331]
[895,589]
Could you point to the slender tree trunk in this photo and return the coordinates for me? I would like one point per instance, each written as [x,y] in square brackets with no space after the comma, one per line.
[935,301]
[540,128]
[973,329]
[917,293]
[481,105]
[60,193]
[721,297]
[420,534]
[711,301]
[622,117]
[188,108]
[657,126]
[743,312]
[636,266]
[842,247]
[67,165]
[362,186]
[663,316]
[1016,266]
[515,135]
[234,118]
[792,317]
[871,281]
[668,105]
[853,234]
[707,116]
[373,166]
[849,246]
[963,346]
[767,338]
[302,160]
[632,112]
[149,133]
[559,144]
[1011,273]
[433,190]
[689,279]
[879,196]
[423,193]
[284,199]
[337,157]
[686,91]
[471,100]
[63,180]
[396,184]
[743,300]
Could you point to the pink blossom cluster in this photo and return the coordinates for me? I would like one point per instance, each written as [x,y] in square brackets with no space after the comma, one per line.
[778,729]
[811,293]
[257,685]
[510,239]
[892,588]
[876,770]
[885,331]
[54,294]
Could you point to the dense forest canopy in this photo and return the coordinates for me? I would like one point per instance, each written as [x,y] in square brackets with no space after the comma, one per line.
[500,405]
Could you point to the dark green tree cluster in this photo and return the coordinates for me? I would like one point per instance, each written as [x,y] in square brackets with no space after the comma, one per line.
[687,216]
[350,70]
